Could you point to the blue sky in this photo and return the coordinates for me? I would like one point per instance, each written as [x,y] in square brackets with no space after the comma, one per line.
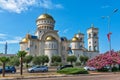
[17,17]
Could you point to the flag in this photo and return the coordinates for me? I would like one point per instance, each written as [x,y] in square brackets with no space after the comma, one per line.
[6,48]
[108,36]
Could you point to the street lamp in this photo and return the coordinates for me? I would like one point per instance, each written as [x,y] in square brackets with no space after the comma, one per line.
[109,33]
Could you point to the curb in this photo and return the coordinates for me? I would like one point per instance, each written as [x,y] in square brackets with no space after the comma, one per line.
[52,76]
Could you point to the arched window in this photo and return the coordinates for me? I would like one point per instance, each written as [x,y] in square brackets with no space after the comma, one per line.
[95,34]
[95,48]
[81,39]
[35,46]
[89,35]
[81,46]
[89,48]
[52,45]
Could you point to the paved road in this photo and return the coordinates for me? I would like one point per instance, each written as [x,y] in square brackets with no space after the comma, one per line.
[83,77]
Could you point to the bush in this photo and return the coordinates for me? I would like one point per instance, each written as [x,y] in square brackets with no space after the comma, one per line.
[104,69]
[73,71]
[78,63]
[56,64]
[115,69]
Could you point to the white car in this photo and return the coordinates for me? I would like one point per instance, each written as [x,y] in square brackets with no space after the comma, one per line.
[38,69]
[89,68]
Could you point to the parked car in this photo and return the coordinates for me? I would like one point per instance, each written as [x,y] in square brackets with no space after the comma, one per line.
[64,66]
[9,69]
[38,69]
[89,68]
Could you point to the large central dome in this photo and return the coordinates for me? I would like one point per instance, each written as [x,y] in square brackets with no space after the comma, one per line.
[45,21]
[45,16]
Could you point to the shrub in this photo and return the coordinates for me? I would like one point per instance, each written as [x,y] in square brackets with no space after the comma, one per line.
[115,69]
[78,63]
[73,71]
[104,69]
[56,64]
[109,58]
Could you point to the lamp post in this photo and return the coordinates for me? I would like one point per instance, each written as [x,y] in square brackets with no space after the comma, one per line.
[109,33]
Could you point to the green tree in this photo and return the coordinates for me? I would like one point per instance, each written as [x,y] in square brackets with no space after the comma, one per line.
[83,59]
[21,55]
[4,60]
[86,59]
[56,59]
[44,59]
[14,61]
[71,59]
[36,60]
[28,59]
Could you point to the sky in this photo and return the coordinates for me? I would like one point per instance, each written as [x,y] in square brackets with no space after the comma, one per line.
[18,17]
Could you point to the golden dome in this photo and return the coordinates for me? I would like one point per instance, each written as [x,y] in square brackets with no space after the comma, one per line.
[74,39]
[24,40]
[45,16]
[49,38]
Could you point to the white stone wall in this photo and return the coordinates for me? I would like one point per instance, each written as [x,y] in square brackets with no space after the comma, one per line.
[23,46]
[77,53]
[75,45]
[34,47]
[91,54]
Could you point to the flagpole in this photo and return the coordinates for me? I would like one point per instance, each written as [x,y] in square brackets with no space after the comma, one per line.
[109,33]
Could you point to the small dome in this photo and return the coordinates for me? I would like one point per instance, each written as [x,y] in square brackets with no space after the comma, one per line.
[49,38]
[74,39]
[45,16]
[24,40]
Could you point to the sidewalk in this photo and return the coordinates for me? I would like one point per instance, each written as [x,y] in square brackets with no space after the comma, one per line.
[37,75]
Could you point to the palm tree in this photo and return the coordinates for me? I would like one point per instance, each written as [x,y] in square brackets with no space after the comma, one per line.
[4,60]
[21,55]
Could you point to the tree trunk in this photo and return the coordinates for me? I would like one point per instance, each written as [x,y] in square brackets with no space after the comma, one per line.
[3,71]
[71,62]
[21,65]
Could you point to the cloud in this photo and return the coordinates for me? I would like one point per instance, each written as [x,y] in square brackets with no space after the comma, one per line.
[19,6]
[48,4]
[16,5]
[105,6]
[11,40]
[2,36]
[65,31]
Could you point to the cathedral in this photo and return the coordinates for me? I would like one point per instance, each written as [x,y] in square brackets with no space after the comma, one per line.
[46,41]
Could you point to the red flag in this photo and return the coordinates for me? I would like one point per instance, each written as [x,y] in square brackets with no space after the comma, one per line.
[108,36]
